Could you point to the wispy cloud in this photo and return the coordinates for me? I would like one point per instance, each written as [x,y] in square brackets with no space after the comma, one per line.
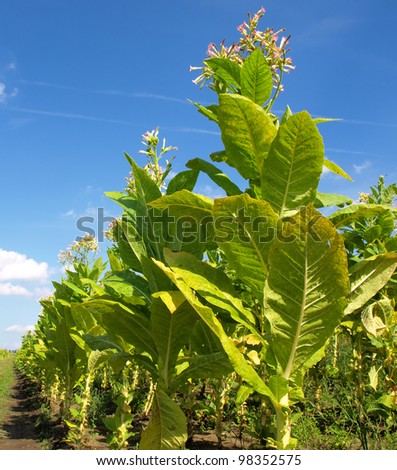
[86,117]
[19,328]
[69,115]
[339,150]
[358,169]
[191,130]
[369,123]
[126,94]
[4,96]
[69,213]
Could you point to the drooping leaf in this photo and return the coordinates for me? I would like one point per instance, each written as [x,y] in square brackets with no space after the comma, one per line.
[245,229]
[367,277]
[292,171]
[305,289]
[334,168]
[132,327]
[167,426]
[217,176]
[210,112]
[219,156]
[181,279]
[347,215]
[374,316]
[321,120]
[247,133]
[256,78]
[328,199]
[213,285]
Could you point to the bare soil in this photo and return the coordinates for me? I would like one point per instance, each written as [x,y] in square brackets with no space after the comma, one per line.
[22,428]
[19,427]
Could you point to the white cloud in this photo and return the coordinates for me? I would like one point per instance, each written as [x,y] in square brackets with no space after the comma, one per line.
[11,66]
[42,292]
[19,328]
[6,288]
[211,191]
[17,266]
[362,166]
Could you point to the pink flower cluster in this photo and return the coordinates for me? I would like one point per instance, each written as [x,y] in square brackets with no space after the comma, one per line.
[252,38]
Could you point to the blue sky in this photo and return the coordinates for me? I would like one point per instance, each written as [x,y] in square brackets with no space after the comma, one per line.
[81,81]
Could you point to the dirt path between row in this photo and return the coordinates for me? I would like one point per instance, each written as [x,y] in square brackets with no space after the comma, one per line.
[20,423]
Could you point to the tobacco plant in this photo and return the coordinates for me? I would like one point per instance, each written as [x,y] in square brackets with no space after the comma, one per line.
[290,257]
[256,281]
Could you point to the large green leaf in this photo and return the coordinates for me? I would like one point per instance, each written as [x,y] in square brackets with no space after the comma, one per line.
[181,278]
[245,228]
[305,289]
[367,277]
[167,426]
[127,283]
[212,284]
[247,133]
[350,214]
[292,171]
[256,78]
[187,221]
[82,318]
[133,327]
[217,176]
[101,343]
[171,323]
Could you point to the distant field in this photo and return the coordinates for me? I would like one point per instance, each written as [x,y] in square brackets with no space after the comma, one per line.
[6,380]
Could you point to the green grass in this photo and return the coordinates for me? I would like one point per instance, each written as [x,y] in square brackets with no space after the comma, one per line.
[6,381]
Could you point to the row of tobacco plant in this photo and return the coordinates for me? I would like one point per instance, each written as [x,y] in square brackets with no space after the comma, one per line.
[248,292]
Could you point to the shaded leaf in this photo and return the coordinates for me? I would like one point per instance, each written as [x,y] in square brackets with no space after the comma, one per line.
[305,289]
